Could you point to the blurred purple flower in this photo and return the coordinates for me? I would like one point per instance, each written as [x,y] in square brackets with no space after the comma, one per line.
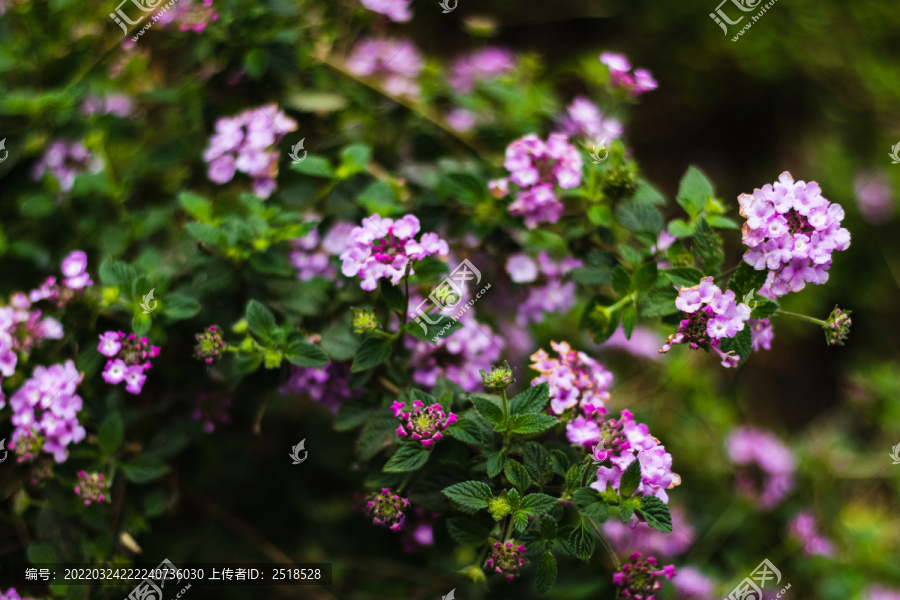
[395,10]
[552,297]
[620,75]
[802,528]
[874,197]
[584,119]
[747,447]
[762,334]
[644,343]
[460,119]
[640,537]
[119,105]
[328,385]
[691,584]
[480,65]
[211,409]
[398,61]
[65,161]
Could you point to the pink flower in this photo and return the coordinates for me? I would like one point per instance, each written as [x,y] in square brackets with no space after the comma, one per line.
[395,10]
[747,446]
[398,61]
[423,424]
[506,559]
[584,119]
[620,75]
[576,380]
[802,528]
[480,65]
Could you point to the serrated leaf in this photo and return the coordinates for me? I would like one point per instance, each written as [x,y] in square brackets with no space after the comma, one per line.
[600,321]
[645,277]
[352,413]
[575,475]
[316,166]
[371,353]
[659,303]
[488,409]
[683,276]
[520,520]
[708,246]
[409,457]
[621,281]
[111,433]
[537,462]
[741,344]
[178,306]
[145,468]
[655,512]
[545,576]
[379,431]
[747,279]
[590,275]
[495,462]
[591,505]
[197,206]
[378,198]
[304,354]
[204,232]
[722,222]
[764,308]
[631,479]
[560,462]
[548,527]
[638,216]
[581,541]
[693,191]
[537,504]
[117,273]
[260,321]
[626,509]
[517,474]
[679,229]
[466,431]
[629,320]
[528,424]
[467,532]
[393,296]
[470,494]
[531,400]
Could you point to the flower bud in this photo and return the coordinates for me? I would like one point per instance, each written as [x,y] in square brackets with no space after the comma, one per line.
[364,320]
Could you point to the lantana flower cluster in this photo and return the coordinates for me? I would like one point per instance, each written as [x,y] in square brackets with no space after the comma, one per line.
[395,10]
[384,248]
[387,509]
[91,487]
[119,105]
[129,359]
[21,329]
[45,411]
[246,143]
[711,315]
[481,65]
[397,61]
[621,77]
[791,230]
[803,529]
[554,296]
[312,253]
[768,466]
[506,559]
[328,385]
[76,278]
[190,16]
[583,119]
[423,424]
[639,577]
[576,380]
[66,160]
[537,167]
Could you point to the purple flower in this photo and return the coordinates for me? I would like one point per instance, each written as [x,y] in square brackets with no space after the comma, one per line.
[91,487]
[211,408]
[418,531]
[640,537]
[11,593]
[115,371]
[461,119]
[877,592]
[398,61]
[521,268]
[583,431]
[210,344]
[395,10]
[691,584]
[134,379]
[749,447]
[110,343]
[874,197]
[711,315]
[584,119]
[763,334]
[481,65]
[423,423]
[620,75]
[383,248]
[553,297]
[111,104]
[644,343]
[386,509]
[328,385]
[576,379]
[130,360]
[639,578]
[802,528]
[312,258]
[506,558]
[537,167]
[246,143]
[791,230]
[65,161]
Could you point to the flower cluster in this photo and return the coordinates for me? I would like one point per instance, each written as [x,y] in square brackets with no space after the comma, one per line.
[419,530]
[575,379]
[386,508]
[791,230]
[506,558]
[11,593]
[210,344]
[211,408]
[802,529]
[245,143]
[874,197]
[481,65]
[537,167]
[691,584]
[621,441]
[311,256]
[395,10]
[423,423]
[328,385]
[710,316]
[46,407]
[762,334]
[583,119]
[397,60]
[837,327]
[20,330]
[120,105]
[385,248]
[193,17]
[74,268]
[552,297]
[91,487]
[748,447]
[637,536]
[639,577]
[129,357]
[65,161]
[621,77]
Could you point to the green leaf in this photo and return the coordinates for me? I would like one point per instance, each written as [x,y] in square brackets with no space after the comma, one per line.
[520,520]
[581,541]
[409,457]
[683,276]
[560,462]
[631,479]
[722,222]
[145,468]
[517,474]
[466,431]
[621,282]
[645,277]
[260,321]
[204,232]
[741,344]
[680,229]
[647,194]
[638,216]
[117,273]
[747,279]
[708,246]
[495,462]
[537,462]
[41,554]
[379,431]
[545,576]
[575,476]
[599,320]
[531,400]
[660,303]
[467,532]
[764,308]
[255,62]
[304,354]
[590,504]
[488,409]
[316,166]
[427,332]
[371,353]
[354,159]
[537,504]
[693,191]
[111,433]
[140,324]
[548,527]
[178,306]
[591,275]
[197,206]
[527,424]
[379,198]
[470,494]
[393,296]
[600,214]
[352,413]
[655,512]
[629,320]
[626,509]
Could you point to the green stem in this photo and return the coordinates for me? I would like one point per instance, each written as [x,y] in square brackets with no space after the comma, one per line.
[606,544]
[785,313]
[405,481]
[729,271]
[622,302]
[506,433]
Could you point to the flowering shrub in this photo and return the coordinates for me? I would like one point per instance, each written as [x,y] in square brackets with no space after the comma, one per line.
[330,296]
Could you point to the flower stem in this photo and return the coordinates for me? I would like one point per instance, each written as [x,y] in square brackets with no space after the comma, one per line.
[785,313]
[606,544]
[729,271]
[506,433]
[405,481]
